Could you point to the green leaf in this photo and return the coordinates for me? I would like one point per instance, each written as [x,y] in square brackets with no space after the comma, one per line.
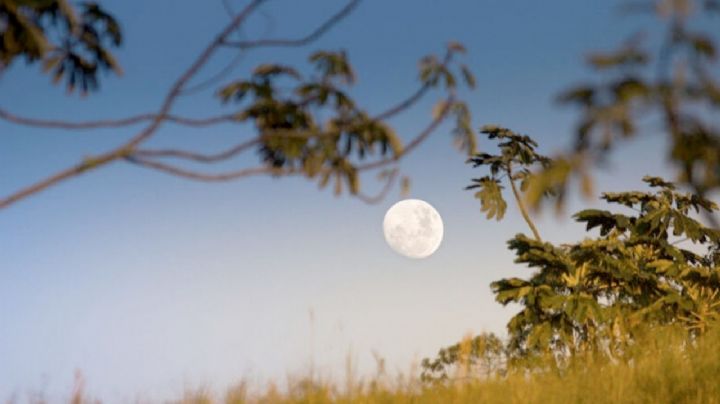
[491,199]
[468,76]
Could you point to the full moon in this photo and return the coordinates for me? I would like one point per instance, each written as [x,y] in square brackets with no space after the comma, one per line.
[413,228]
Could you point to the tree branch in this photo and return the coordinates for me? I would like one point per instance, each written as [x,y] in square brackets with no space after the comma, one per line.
[414,98]
[113,123]
[232,175]
[199,157]
[403,105]
[415,142]
[125,149]
[203,85]
[383,192]
[521,205]
[130,152]
[239,148]
[140,157]
[301,41]
[77,169]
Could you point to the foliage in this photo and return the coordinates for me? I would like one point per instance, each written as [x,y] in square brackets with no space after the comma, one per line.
[514,163]
[305,124]
[69,42]
[651,264]
[675,83]
[590,295]
[484,355]
[293,138]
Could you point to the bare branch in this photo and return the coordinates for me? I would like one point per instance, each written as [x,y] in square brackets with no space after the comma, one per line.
[199,157]
[193,175]
[317,33]
[113,123]
[403,105]
[414,98]
[60,176]
[227,153]
[191,71]
[228,8]
[215,78]
[383,192]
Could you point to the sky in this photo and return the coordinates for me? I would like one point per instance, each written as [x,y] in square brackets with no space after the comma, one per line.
[151,284]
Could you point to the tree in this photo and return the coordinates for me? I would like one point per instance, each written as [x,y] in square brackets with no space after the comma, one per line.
[588,296]
[484,355]
[291,137]
[595,295]
[672,91]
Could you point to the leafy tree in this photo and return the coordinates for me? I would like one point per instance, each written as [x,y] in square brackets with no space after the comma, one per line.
[589,295]
[305,124]
[483,355]
[671,91]
[592,296]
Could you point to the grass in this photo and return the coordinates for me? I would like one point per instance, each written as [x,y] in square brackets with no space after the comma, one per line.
[664,368]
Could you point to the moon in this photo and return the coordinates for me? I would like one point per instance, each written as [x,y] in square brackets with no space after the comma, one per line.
[413,228]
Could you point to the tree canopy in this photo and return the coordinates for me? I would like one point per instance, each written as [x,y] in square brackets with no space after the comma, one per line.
[651,263]
[304,125]
[662,85]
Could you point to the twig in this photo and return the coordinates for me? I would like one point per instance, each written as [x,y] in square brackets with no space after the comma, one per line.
[301,41]
[203,85]
[415,142]
[232,175]
[113,123]
[199,157]
[383,192]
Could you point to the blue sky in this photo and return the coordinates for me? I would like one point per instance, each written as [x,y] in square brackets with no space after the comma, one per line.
[150,284]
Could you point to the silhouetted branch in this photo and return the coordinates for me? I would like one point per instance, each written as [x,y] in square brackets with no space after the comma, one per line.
[228,8]
[414,98]
[344,12]
[199,157]
[392,176]
[214,79]
[112,123]
[415,142]
[194,175]
[405,104]
[60,176]
[225,154]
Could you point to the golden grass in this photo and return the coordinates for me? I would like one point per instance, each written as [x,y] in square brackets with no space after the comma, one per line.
[664,368]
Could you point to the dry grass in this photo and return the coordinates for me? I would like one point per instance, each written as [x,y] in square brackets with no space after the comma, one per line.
[661,369]
[664,368]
